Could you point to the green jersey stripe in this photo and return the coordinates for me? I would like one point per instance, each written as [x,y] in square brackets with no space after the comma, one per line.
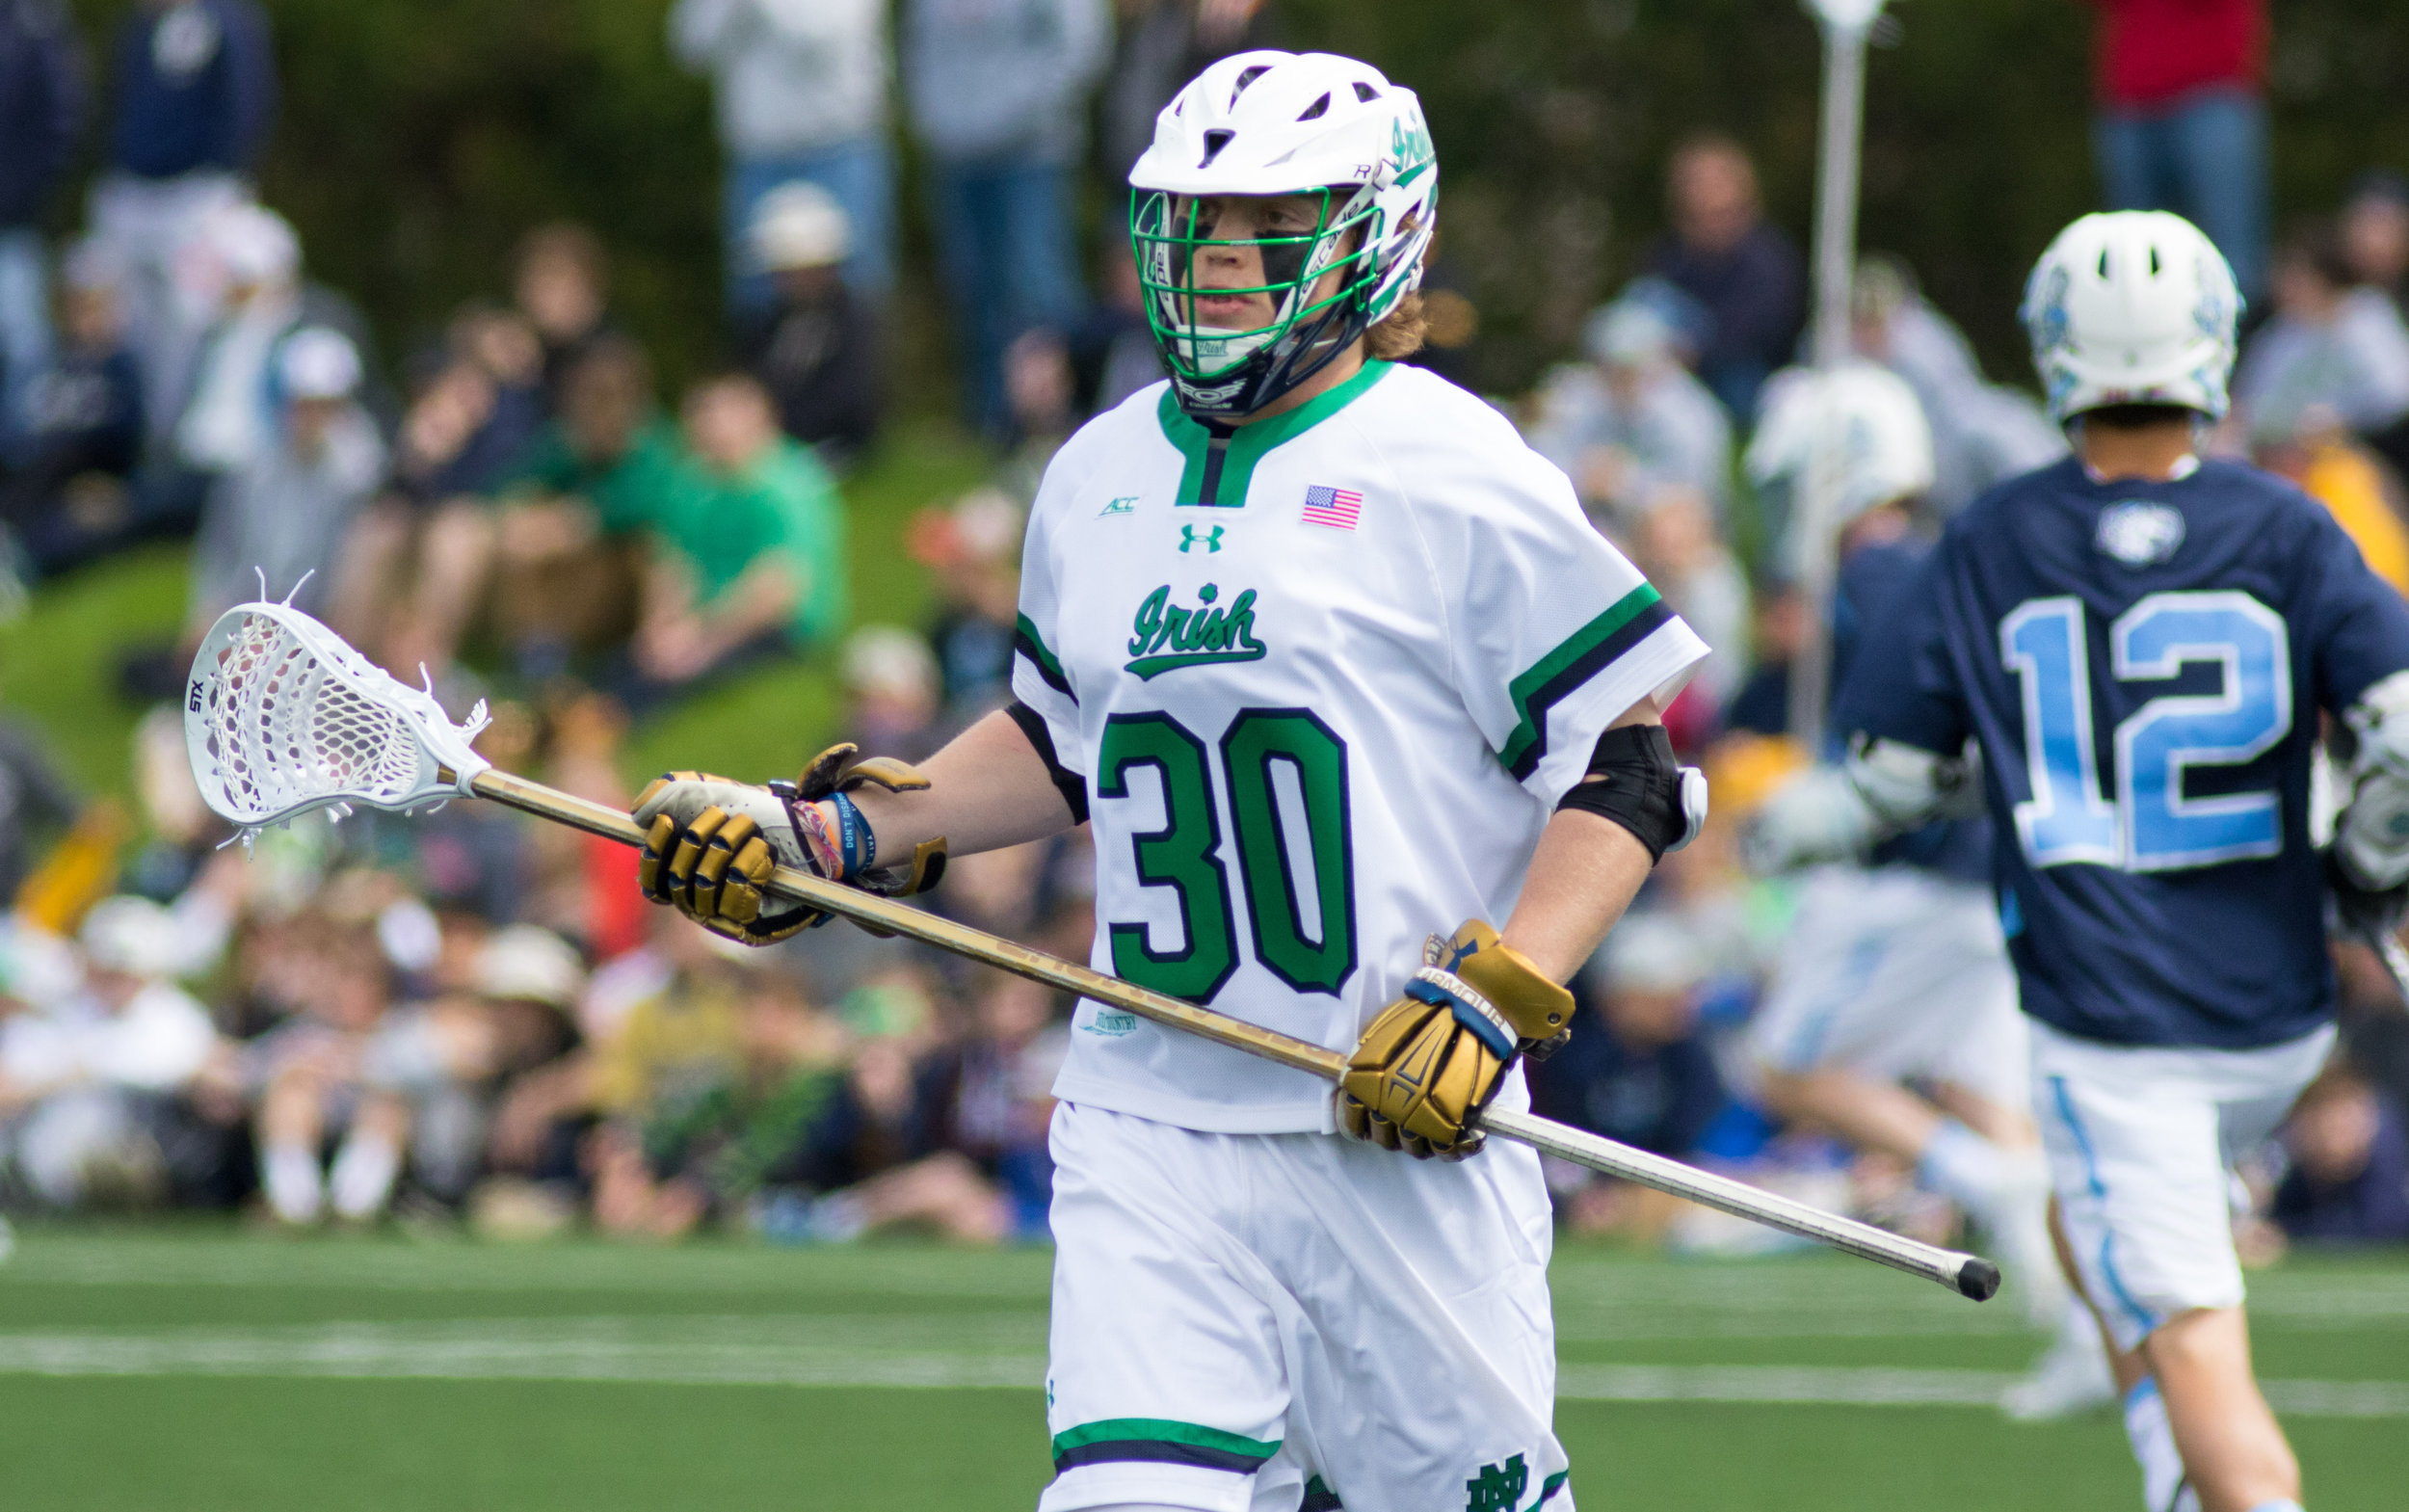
[1032,645]
[1581,656]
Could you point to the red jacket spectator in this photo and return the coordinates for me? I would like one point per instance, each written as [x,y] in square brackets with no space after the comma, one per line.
[2149,52]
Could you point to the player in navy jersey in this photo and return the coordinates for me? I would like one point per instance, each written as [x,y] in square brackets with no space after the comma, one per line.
[2139,644]
[1890,1017]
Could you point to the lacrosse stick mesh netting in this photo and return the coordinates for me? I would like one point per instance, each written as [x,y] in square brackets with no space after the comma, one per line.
[281,717]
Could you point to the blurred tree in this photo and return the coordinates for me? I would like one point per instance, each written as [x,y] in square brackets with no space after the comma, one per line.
[418,138]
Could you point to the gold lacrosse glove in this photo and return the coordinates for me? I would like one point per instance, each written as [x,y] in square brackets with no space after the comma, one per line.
[710,843]
[1429,1062]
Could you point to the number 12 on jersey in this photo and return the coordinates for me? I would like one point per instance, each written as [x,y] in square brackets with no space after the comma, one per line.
[1286,792]
[2149,825]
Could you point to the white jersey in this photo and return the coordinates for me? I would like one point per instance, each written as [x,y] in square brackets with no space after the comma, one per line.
[1325,678]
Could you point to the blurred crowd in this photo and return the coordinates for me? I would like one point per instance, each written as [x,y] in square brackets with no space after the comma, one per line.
[467,1018]
[473,1019]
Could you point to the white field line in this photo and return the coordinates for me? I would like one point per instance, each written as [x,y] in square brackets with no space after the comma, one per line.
[740,1351]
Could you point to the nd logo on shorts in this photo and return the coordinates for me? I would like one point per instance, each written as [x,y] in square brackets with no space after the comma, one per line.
[1500,1488]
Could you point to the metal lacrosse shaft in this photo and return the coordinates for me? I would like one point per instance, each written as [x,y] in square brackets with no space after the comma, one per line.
[1968,1275]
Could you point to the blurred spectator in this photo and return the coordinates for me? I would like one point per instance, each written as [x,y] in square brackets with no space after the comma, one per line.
[195,95]
[1112,352]
[1636,1069]
[562,281]
[1631,422]
[753,558]
[890,677]
[973,547]
[1041,389]
[1724,253]
[998,90]
[563,546]
[41,103]
[2181,124]
[415,560]
[229,417]
[274,524]
[2375,234]
[330,974]
[37,803]
[814,343]
[669,1076]
[90,1079]
[71,461]
[1158,46]
[427,1071]
[802,96]
[2329,465]
[971,1121]
[1981,434]
[1679,549]
[2348,1156]
[2333,353]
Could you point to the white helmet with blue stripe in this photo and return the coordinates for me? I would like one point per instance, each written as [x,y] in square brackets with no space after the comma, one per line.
[2133,307]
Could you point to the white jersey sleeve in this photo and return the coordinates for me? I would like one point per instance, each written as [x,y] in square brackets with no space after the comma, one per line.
[1554,634]
[1039,678]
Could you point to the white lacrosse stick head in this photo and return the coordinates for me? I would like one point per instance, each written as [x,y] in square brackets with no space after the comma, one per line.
[281,717]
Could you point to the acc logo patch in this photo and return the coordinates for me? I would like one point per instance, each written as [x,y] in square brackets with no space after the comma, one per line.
[2139,533]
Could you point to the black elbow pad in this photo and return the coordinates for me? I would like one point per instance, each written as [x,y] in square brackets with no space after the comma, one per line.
[1636,781]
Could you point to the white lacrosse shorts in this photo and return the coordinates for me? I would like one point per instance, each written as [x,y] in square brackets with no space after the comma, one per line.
[1276,1322]
[2139,1141]
[1896,972]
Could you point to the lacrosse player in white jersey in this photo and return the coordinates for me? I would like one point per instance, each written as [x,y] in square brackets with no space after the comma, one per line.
[1331,661]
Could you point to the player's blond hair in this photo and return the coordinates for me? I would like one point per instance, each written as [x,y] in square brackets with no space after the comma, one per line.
[1399,334]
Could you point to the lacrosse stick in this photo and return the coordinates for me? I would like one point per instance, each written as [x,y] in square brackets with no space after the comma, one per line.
[281,717]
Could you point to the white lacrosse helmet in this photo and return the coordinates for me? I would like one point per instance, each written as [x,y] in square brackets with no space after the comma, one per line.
[1271,123]
[2133,306]
[1867,412]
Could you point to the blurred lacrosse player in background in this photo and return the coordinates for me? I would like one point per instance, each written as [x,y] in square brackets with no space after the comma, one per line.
[2141,642]
[1891,1019]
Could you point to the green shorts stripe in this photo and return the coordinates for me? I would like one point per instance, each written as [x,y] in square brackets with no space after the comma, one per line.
[1160,1441]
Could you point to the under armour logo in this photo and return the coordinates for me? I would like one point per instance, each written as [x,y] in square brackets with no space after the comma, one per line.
[1209,538]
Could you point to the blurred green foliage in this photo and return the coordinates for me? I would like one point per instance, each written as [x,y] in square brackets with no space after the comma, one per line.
[58,663]
[420,137]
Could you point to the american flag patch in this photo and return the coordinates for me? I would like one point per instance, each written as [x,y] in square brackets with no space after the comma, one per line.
[1337,507]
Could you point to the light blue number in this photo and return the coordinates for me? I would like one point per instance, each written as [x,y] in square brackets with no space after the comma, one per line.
[2065,819]
[2152,826]
[2242,721]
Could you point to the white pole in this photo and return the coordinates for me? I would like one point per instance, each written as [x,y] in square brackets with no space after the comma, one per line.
[1846,24]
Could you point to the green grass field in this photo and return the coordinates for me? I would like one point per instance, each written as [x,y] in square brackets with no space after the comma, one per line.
[204,1368]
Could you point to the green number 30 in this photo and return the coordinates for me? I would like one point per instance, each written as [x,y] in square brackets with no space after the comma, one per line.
[1304,927]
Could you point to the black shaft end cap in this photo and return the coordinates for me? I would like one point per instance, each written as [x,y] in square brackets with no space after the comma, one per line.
[1979,1279]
